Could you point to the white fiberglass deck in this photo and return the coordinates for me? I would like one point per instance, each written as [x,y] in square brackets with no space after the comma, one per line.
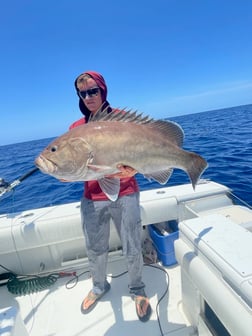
[56,311]
[214,235]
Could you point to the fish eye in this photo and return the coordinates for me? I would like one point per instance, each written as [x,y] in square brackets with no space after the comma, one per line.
[54,148]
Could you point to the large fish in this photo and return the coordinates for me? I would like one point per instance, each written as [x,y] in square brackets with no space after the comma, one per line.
[93,151]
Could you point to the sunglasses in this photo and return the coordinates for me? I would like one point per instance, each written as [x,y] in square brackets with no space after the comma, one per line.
[90,92]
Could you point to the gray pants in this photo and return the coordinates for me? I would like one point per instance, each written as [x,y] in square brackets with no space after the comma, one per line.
[125,212]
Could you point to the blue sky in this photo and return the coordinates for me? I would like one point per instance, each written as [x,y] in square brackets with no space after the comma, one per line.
[163,57]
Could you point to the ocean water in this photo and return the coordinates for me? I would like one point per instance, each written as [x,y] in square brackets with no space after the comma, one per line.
[223,137]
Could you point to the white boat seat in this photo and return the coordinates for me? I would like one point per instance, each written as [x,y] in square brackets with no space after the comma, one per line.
[226,246]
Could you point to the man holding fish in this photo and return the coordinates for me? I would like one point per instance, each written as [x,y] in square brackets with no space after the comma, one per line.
[96,210]
[105,149]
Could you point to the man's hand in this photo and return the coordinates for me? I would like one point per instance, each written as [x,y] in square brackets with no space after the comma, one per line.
[125,171]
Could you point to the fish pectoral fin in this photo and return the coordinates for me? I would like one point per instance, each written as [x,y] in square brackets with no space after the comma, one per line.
[110,186]
[161,177]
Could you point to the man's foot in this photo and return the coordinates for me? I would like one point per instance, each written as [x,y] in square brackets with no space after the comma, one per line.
[92,299]
[143,308]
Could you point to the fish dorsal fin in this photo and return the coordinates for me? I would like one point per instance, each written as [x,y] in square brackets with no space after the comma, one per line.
[120,115]
[161,177]
[170,128]
[167,128]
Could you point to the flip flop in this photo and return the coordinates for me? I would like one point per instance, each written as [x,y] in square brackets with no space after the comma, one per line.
[141,300]
[94,297]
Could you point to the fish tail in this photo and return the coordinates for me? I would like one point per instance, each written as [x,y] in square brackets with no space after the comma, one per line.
[196,167]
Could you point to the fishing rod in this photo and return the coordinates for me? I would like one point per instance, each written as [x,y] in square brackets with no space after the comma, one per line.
[6,186]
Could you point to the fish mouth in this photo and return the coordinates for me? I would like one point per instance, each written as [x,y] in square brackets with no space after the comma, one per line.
[45,165]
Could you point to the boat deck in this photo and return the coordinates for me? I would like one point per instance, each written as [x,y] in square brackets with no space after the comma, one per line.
[214,236]
[56,310]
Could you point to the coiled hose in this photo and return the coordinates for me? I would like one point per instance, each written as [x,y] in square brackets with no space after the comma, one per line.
[27,285]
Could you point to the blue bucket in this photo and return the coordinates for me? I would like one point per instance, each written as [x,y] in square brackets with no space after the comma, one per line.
[164,244]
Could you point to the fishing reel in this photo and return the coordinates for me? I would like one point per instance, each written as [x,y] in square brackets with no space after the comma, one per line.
[3,183]
[4,186]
